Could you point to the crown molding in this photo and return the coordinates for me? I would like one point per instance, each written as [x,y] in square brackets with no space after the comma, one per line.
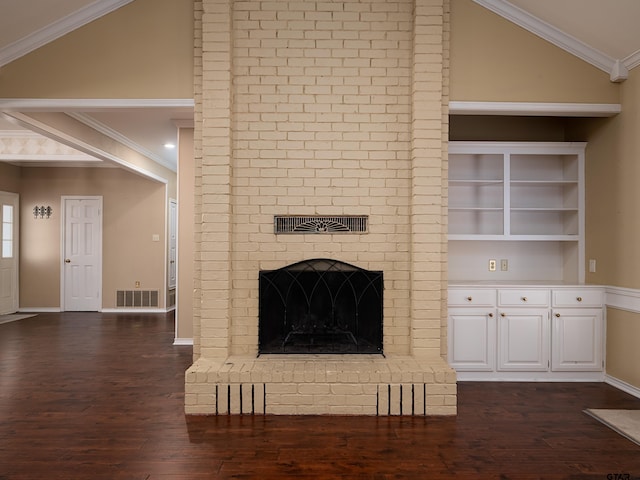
[94,104]
[58,28]
[19,134]
[632,60]
[535,109]
[616,69]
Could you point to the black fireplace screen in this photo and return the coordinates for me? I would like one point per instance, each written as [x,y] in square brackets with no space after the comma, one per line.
[320,306]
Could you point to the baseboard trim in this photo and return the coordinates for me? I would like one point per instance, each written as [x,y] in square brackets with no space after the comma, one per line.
[39,310]
[183,341]
[133,310]
[622,385]
[103,310]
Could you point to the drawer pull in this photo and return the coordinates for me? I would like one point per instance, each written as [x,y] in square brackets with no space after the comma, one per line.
[502,314]
[491,315]
[579,299]
[469,299]
[558,315]
[524,299]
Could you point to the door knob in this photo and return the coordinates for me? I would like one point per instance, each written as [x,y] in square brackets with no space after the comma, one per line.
[66,260]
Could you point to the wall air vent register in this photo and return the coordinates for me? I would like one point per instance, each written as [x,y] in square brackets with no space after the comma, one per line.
[292,224]
[137,298]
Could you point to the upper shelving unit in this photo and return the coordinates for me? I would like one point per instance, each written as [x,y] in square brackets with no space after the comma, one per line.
[518,202]
[515,191]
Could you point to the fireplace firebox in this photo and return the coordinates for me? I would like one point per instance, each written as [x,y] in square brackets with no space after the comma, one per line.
[320,306]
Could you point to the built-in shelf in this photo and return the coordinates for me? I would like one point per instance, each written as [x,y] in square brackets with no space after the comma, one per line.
[535,109]
[517,192]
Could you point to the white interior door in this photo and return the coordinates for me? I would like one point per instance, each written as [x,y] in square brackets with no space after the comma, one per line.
[9,230]
[82,255]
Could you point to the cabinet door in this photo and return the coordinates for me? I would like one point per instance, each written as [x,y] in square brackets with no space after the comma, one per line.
[576,340]
[472,339]
[523,340]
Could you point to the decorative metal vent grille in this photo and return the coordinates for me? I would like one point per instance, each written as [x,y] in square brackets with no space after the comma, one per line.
[320,224]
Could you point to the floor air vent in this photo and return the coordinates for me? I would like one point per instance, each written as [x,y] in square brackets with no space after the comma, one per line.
[137,298]
[320,224]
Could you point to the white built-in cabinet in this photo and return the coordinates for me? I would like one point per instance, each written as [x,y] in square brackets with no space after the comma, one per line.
[526,332]
[520,204]
[578,329]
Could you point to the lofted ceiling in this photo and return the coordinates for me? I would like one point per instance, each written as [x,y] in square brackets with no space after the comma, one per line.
[599,32]
[610,27]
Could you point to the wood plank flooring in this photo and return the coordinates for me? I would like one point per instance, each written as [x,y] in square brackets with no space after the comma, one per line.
[100,396]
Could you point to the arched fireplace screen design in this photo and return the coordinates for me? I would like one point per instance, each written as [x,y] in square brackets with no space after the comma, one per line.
[320,306]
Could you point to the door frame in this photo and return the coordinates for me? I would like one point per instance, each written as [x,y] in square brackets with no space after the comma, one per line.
[172,241]
[63,236]
[16,247]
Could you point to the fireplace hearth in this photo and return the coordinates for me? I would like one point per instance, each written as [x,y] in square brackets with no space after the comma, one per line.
[320,306]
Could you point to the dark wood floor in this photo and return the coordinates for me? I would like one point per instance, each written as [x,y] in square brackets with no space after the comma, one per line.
[90,396]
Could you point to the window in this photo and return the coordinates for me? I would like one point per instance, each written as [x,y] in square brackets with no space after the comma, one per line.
[7,231]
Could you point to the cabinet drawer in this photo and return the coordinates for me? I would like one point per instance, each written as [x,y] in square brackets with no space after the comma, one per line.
[577,298]
[523,298]
[472,297]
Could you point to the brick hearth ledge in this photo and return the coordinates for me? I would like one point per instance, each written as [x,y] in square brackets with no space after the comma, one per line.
[321,385]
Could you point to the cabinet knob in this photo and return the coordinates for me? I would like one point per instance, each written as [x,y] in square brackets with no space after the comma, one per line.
[558,315]
[491,315]
[524,299]
[502,315]
[579,299]
[469,299]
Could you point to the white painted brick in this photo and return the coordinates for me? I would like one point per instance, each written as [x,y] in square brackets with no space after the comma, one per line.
[314,389]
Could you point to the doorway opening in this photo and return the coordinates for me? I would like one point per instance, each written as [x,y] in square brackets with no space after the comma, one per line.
[9,232]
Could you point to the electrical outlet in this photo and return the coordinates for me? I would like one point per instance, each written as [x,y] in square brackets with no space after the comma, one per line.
[592,265]
[504,265]
[492,265]
[137,283]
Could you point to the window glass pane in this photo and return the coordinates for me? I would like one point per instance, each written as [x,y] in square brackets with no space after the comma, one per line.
[7,213]
[7,249]
[7,231]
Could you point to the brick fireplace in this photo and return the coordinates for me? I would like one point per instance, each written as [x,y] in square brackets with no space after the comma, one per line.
[330,108]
